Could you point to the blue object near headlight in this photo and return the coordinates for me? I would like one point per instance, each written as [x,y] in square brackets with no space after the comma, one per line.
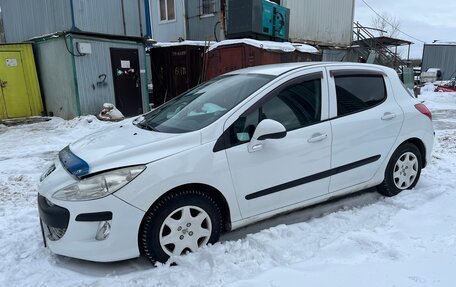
[73,164]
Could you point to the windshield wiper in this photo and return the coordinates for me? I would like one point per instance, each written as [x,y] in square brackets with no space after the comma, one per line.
[145,125]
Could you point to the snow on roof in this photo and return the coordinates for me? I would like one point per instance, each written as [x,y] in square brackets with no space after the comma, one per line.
[268,45]
[442,44]
[181,43]
[304,48]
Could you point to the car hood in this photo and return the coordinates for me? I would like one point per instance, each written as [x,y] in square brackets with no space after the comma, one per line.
[126,145]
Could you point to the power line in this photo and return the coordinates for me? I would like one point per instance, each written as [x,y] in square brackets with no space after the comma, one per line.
[381,17]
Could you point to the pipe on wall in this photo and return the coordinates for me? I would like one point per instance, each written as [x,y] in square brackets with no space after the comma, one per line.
[123,17]
[73,24]
[148,20]
[140,19]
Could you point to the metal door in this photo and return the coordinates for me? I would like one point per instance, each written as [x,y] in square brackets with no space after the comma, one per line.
[127,81]
[14,101]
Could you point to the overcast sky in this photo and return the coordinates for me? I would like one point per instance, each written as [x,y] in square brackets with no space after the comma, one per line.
[422,19]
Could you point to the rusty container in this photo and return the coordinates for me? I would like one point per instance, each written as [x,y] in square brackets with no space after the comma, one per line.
[227,58]
[175,69]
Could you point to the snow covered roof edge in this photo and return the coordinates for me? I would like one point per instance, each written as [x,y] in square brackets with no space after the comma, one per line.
[181,43]
[269,45]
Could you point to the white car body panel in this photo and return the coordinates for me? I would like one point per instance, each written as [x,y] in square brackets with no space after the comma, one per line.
[196,166]
[79,239]
[362,135]
[126,145]
[281,161]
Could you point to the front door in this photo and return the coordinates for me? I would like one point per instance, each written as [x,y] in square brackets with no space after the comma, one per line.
[127,81]
[285,171]
[14,100]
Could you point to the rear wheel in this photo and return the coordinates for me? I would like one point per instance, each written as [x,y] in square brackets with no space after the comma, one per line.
[179,223]
[403,170]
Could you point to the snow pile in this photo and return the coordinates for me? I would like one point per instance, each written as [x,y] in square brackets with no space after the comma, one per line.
[364,240]
[110,113]
[304,48]
[428,88]
[268,45]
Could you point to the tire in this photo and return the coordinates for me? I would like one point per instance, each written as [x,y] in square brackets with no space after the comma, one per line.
[403,170]
[178,223]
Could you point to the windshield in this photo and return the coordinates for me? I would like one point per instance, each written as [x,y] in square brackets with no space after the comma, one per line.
[203,105]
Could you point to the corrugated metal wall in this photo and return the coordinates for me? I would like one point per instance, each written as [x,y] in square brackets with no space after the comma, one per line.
[105,16]
[168,30]
[202,28]
[25,19]
[334,55]
[440,56]
[341,55]
[56,78]
[135,17]
[89,67]
[66,80]
[327,22]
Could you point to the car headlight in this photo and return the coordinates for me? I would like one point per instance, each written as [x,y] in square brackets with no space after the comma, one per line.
[99,185]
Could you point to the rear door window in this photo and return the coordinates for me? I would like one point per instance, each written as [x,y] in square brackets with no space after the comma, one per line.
[358,92]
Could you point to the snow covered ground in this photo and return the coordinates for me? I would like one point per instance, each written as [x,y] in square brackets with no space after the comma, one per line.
[362,240]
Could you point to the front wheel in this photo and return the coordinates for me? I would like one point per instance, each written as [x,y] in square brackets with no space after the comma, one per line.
[179,223]
[403,170]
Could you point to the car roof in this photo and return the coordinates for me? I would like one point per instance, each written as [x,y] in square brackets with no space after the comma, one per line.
[279,69]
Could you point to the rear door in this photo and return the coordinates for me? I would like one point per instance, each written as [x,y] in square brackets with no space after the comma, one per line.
[290,170]
[365,122]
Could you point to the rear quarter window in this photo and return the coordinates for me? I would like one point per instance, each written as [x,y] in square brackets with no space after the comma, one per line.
[359,92]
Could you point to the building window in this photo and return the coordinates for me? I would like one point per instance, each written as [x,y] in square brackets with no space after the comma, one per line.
[207,7]
[167,12]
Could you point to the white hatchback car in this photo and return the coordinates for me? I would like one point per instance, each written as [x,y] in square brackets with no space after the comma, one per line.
[235,150]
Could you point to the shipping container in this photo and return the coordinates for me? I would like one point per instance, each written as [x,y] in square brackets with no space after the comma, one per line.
[322,22]
[245,53]
[20,94]
[441,56]
[24,20]
[176,67]
[80,72]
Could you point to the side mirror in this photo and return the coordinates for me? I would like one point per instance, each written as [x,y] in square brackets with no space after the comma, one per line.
[266,129]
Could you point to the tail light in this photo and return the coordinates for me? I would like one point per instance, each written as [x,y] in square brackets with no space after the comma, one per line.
[424,110]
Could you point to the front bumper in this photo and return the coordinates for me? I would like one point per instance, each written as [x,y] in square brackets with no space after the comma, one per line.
[70,228]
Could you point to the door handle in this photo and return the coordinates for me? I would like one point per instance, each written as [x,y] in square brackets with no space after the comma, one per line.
[388,116]
[317,138]
[253,147]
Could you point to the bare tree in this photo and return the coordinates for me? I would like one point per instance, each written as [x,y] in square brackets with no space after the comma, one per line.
[388,23]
